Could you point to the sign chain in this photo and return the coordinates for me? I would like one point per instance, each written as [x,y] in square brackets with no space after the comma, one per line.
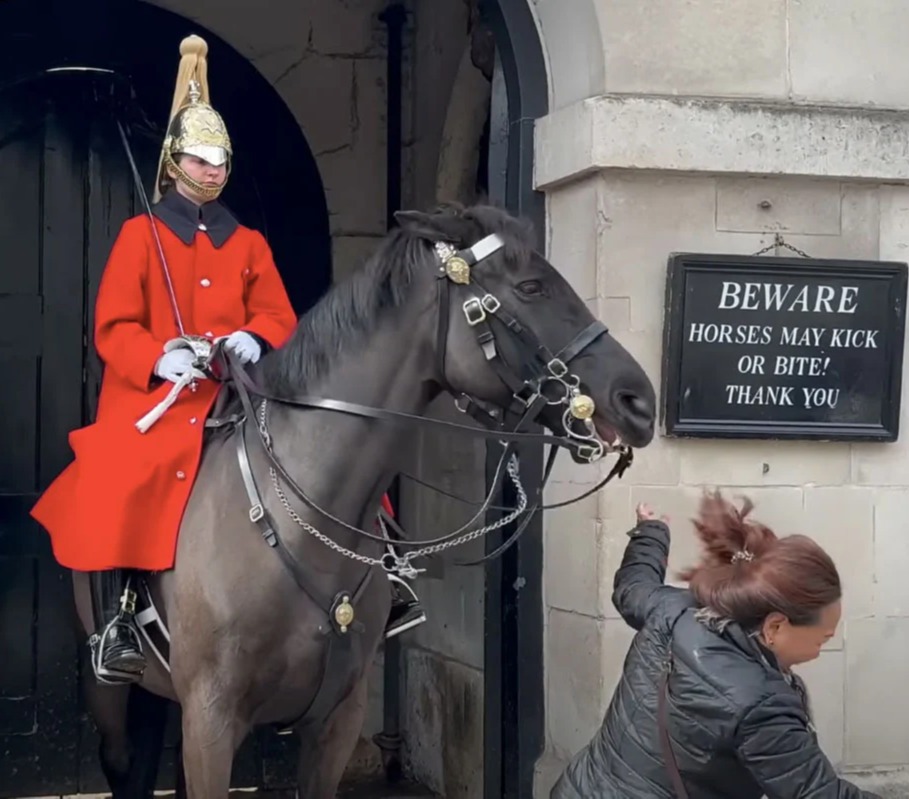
[779,241]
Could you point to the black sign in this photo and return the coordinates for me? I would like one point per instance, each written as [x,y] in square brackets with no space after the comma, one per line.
[759,347]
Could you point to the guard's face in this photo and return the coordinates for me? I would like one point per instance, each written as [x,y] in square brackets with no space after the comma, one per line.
[201,171]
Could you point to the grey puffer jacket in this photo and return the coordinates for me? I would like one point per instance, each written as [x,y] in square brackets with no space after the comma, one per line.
[740,727]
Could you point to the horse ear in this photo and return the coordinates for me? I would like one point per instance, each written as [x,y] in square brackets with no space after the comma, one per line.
[434,227]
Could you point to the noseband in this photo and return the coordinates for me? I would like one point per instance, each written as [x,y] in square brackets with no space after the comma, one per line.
[544,369]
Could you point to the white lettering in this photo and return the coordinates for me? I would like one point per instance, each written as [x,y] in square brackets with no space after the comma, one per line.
[751,365]
[710,333]
[774,295]
[802,336]
[800,365]
[821,397]
[728,299]
[847,295]
[824,295]
[822,298]
[761,395]
[859,339]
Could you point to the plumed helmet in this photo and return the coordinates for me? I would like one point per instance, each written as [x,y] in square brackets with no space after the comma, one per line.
[194,127]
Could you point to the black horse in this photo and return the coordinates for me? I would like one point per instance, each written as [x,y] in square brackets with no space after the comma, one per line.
[457,300]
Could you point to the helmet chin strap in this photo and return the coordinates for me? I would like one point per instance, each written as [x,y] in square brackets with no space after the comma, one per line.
[206,192]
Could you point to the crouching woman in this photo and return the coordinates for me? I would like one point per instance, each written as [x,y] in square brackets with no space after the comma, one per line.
[707,706]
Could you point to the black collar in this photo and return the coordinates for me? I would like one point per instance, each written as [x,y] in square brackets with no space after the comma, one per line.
[185,218]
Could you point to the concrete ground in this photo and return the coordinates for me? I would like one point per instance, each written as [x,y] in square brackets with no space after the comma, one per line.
[887,785]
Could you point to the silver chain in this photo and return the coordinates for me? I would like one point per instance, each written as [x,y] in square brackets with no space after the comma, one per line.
[403,561]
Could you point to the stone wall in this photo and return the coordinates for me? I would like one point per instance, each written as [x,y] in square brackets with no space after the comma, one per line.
[704,111]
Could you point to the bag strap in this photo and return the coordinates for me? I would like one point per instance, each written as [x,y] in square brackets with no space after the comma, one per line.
[665,743]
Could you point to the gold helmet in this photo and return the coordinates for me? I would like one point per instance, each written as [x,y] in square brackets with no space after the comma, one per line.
[194,127]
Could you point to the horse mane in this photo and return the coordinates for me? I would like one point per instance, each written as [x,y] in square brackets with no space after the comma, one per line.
[352,310]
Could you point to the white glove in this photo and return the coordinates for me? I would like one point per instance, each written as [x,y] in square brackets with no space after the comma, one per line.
[174,364]
[244,345]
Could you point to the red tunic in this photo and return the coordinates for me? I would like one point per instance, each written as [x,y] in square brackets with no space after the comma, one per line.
[120,503]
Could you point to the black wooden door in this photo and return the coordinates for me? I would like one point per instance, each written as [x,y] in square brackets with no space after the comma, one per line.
[65,190]
[41,344]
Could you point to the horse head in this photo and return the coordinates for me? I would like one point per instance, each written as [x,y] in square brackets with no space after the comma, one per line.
[513,334]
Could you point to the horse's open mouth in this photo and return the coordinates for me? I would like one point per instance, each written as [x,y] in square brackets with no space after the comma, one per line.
[607,433]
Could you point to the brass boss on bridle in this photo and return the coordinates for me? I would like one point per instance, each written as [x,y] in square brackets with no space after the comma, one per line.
[548,381]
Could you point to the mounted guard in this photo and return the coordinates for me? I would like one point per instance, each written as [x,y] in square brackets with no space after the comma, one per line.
[179,278]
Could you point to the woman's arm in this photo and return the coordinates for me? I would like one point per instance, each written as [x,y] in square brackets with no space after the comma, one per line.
[782,754]
[643,568]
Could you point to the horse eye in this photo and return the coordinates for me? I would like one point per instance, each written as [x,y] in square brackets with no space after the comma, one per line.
[530,287]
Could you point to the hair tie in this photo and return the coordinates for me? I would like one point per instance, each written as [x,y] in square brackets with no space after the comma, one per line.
[742,554]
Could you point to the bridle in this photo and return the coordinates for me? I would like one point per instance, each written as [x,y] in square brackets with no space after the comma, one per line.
[542,368]
[539,370]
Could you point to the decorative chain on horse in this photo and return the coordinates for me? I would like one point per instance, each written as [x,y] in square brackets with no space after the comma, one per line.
[548,383]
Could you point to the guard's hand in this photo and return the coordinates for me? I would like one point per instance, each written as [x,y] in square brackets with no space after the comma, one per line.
[645,513]
[174,364]
[244,345]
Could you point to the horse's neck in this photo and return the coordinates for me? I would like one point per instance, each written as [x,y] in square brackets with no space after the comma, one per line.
[344,461]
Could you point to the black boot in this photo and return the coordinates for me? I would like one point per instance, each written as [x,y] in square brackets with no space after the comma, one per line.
[116,651]
[406,610]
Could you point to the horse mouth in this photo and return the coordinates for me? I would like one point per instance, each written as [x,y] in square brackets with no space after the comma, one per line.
[607,433]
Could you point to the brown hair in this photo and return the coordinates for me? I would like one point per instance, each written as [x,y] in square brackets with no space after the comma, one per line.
[746,572]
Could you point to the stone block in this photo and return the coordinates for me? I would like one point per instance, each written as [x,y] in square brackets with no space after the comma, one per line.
[765,463]
[348,28]
[826,681]
[571,552]
[546,773]
[319,91]
[788,205]
[822,31]
[860,229]
[349,253]
[354,183]
[658,464]
[841,520]
[633,252]
[699,47]
[684,135]
[583,667]
[877,709]
[443,717]
[888,464]
[572,246]
[891,552]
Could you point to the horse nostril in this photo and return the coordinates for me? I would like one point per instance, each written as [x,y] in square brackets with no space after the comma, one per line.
[636,407]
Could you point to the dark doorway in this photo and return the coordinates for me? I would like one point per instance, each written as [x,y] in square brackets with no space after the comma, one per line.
[65,190]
